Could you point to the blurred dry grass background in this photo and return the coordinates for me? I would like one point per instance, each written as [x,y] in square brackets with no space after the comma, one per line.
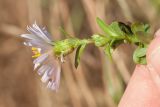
[97,82]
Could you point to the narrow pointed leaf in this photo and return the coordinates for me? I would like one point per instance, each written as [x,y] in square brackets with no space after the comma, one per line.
[125,28]
[136,27]
[116,29]
[105,28]
[139,55]
[79,52]
[144,37]
[108,51]
[100,40]
[113,30]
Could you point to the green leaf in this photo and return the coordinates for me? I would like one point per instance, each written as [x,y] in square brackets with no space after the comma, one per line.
[111,46]
[142,32]
[105,27]
[100,40]
[139,55]
[79,51]
[140,52]
[136,27]
[112,30]
[116,28]
[114,43]
[65,46]
[108,51]
[143,60]
[125,28]
[144,37]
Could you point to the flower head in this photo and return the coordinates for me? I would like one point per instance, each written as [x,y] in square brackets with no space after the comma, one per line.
[46,64]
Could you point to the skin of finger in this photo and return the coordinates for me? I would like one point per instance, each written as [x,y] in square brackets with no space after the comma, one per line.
[141,90]
[153,53]
[153,59]
[129,99]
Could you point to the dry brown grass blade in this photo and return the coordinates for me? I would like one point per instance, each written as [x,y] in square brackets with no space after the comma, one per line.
[89,6]
[119,61]
[87,95]
[75,95]
[11,30]
[34,11]
[66,17]
[86,91]
[107,97]
[92,13]
[43,96]
[150,12]
[54,19]
[126,10]
[71,84]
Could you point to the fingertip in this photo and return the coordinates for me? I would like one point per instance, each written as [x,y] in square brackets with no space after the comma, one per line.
[141,90]
[154,45]
[157,34]
[153,52]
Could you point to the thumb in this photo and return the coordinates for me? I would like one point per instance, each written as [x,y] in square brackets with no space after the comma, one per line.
[143,89]
[153,59]
[153,53]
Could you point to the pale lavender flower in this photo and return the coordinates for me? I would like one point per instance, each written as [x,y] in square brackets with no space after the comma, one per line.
[44,61]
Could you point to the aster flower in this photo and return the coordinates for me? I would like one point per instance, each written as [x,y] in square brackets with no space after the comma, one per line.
[45,62]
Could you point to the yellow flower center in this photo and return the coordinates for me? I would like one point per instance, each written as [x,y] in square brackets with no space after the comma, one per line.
[36,52]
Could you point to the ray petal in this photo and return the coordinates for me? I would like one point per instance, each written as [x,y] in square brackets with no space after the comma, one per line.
[27,44]
[41,58]
[42,69]
[36,30]
[45,77]
[40,44]
[28,36]
[36,65]
[54,85]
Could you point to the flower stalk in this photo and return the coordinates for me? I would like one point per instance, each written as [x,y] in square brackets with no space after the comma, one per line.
[48,54]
